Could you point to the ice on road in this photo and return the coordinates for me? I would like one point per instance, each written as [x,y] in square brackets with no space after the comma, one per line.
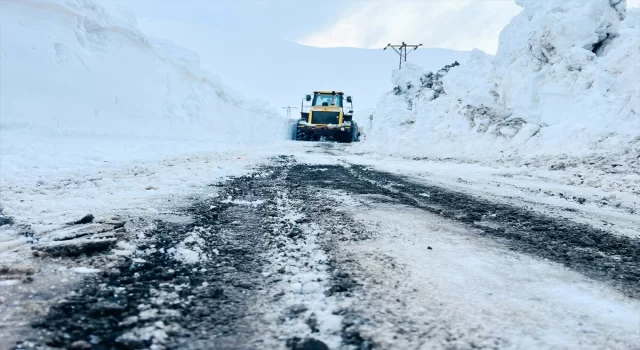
[452,281]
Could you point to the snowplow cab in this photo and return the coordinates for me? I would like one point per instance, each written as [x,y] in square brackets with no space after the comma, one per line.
[326,115]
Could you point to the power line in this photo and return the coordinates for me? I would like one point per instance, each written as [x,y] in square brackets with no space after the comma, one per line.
[402,51]
[288,109]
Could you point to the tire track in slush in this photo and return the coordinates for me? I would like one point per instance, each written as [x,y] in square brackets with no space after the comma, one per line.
[260,266]
[190,288]
[312,296]
[251,270]
[595,253]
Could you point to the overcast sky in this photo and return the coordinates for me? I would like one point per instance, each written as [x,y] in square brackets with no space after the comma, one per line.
[450,24]
[459,24]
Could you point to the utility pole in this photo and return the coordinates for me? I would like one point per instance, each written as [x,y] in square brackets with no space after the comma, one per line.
[402,51]
[288,109]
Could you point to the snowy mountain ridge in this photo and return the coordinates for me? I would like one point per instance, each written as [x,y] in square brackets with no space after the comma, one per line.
[562,84]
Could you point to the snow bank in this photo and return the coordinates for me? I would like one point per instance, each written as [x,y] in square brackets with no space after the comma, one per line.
[563,84]
[86,96]
[70,67]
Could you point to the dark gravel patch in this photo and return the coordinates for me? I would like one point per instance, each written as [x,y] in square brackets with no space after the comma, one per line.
[9,222]
[5,220]
[198,305]
[207,304]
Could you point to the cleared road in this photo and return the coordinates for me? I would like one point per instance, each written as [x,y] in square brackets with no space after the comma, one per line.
[339,256]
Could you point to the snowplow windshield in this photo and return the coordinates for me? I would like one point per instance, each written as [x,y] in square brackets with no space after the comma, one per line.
[327,100]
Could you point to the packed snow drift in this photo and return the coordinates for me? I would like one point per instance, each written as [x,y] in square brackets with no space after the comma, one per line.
[83,92]
[562,87]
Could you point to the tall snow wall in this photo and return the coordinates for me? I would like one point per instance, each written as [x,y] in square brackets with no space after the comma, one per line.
[70,67]
[564,83]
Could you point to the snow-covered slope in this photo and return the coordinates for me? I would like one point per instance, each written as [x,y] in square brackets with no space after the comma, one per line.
[69,66]
[562,86]
[84,94]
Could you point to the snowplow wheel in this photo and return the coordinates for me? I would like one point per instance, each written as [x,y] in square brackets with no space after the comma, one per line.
[347,137]
[344,138]
[301,135]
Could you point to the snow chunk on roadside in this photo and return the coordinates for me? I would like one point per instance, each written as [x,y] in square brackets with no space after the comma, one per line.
[85,270]
[243,202]
[190,251]
[9,282]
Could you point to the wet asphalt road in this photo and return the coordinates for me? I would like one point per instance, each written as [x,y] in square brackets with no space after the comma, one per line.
[161,302]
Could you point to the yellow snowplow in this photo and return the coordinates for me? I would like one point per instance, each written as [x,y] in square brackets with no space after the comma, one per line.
[326,116]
